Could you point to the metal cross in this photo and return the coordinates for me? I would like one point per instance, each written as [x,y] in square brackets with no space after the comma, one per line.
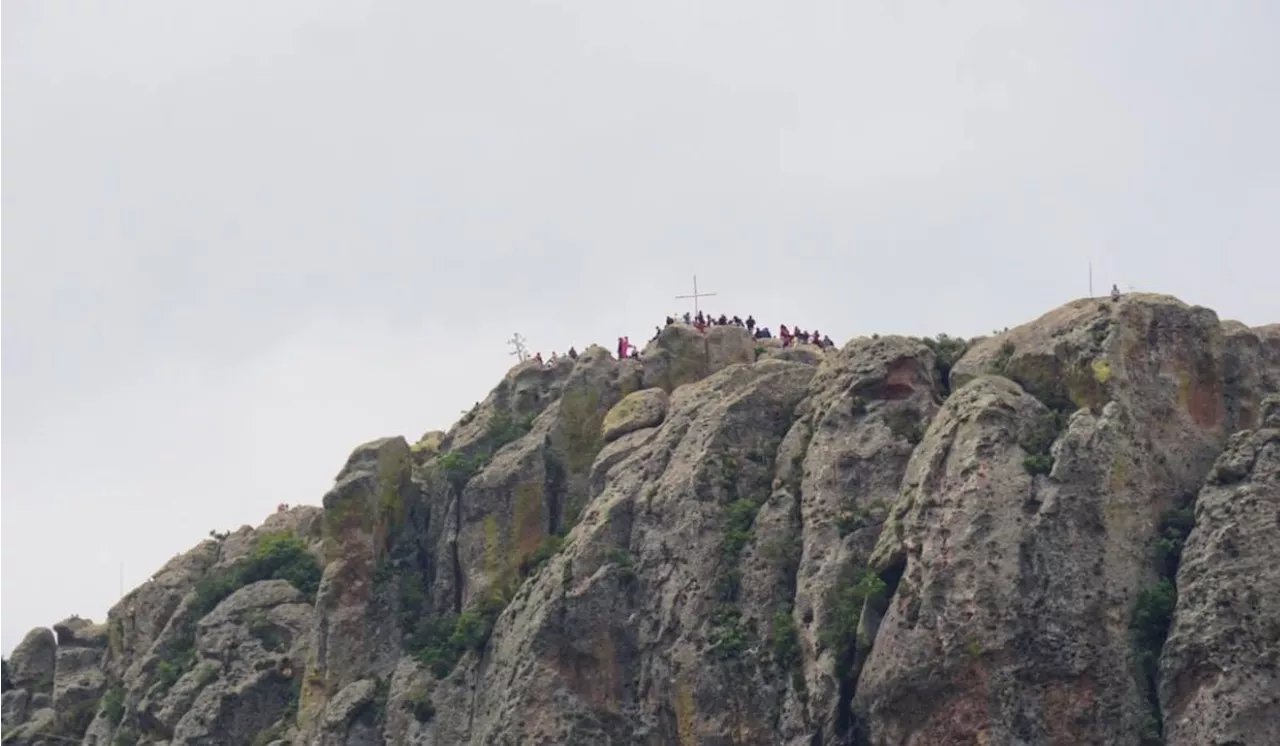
[696,295]
[520,351]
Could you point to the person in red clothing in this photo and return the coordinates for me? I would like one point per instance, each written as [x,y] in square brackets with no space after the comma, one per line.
[785,333]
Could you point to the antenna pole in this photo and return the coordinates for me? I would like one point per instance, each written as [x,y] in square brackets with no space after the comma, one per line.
[1090,279]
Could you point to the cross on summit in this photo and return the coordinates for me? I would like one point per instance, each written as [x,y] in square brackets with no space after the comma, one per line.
[696,295]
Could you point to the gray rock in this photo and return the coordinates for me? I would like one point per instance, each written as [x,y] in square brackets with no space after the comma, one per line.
[78,632]
[636,411]
[14,707]
[681,354]
[1220,668]
[31,664]
[781,546]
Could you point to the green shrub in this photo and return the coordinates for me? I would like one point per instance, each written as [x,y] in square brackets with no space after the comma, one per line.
[457,468]
[1039,442]
[785,639]
[621,559]
[440,640]
[503,428]
[1152,615]
[1175,526]
[283,556]
[729,634]
[278,556]
[946,351]
[844,610]
[113,704]
[1038,463]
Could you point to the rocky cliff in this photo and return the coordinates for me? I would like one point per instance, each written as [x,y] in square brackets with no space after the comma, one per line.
[1065,533]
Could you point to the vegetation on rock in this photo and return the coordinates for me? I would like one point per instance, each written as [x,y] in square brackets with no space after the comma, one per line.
[1153,610]
[946,351]
[440,640]
[1039,443]
[845,600]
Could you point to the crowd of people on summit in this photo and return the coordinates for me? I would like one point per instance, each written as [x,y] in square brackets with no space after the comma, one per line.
[701,322]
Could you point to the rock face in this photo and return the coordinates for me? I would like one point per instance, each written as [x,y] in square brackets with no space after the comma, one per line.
[1064,535]
[1220,671]
[636,411]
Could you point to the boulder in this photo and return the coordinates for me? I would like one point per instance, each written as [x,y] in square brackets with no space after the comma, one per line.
[31,665]
[637,410]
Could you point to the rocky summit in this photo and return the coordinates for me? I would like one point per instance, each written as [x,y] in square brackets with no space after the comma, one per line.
[1064,533]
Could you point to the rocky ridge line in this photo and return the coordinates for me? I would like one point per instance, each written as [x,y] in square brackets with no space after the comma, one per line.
[1057,534]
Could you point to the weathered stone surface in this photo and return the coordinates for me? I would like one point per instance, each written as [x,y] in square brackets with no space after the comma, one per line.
[1011,620]
[78,632]
[1220,669]
[1270,407]
[681,354]
[362,513]
[772,349]
[14,707]
[32,662]
[866,409]
[575,650]
[804,547]
[637,410]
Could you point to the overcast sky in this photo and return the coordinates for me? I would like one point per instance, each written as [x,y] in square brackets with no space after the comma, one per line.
[240,237]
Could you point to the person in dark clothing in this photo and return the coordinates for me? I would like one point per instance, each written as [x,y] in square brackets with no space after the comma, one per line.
[826,342]
[723,320]
[670,321]
[737,321]
[573,353]
[657,331]
[751,323]
[687,318]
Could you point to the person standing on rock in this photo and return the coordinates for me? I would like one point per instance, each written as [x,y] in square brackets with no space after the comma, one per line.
[1115,292]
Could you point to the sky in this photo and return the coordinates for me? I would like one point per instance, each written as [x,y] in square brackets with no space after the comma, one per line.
[240,238]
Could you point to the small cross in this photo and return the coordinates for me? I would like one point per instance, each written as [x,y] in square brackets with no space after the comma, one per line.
[696,295]
[517,342]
